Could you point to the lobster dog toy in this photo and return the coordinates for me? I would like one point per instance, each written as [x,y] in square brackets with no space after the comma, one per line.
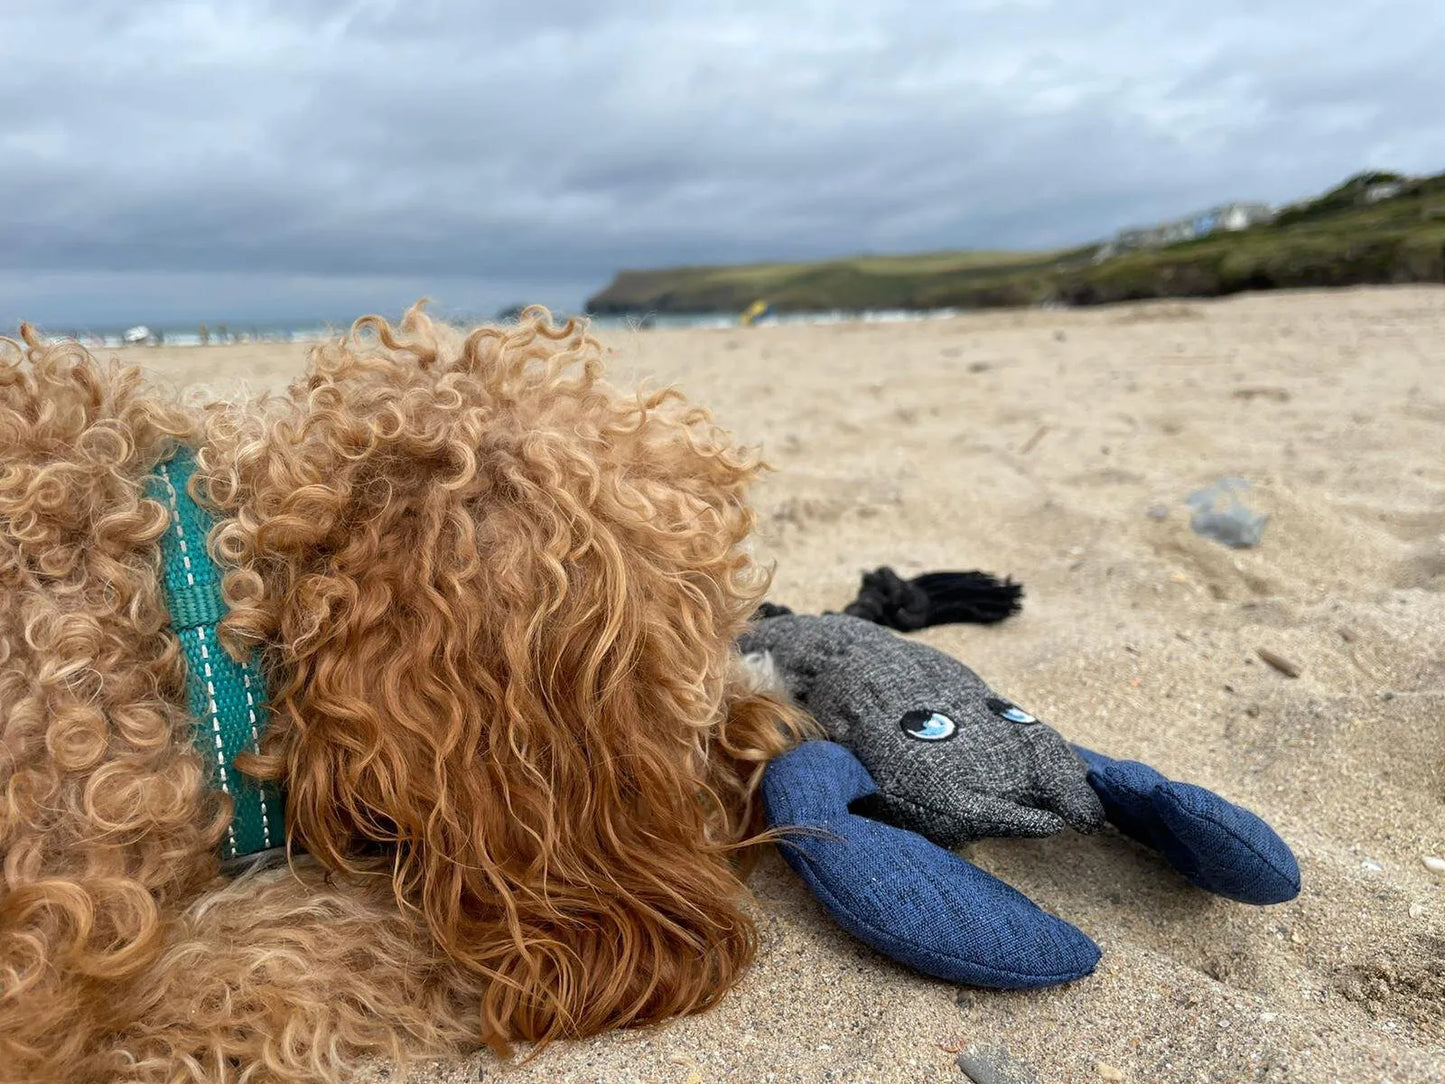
[924,756]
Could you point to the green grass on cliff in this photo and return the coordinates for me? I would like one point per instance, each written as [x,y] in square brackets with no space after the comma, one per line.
[859,282]
[1334,240]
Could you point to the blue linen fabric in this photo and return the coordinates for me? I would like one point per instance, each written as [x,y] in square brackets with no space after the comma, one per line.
[1213,843]
[904,896]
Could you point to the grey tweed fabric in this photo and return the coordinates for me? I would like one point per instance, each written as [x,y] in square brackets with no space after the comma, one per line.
[952,759]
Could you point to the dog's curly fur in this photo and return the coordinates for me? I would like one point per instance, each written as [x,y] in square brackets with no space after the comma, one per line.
[496,600]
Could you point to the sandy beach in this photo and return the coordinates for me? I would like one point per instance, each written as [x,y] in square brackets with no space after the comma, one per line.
[1059,447]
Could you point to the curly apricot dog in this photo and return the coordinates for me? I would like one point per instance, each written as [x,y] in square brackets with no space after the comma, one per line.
[493,600]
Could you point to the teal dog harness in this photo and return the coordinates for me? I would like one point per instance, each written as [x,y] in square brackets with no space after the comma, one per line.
[227,699]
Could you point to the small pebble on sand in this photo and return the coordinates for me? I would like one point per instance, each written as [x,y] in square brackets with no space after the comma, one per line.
[1108,1072]
[1433,864]
[993,1067]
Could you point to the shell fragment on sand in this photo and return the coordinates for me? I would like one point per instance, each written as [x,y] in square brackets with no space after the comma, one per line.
[1288,667]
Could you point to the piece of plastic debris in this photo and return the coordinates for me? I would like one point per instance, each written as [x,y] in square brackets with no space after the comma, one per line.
[1220,514]
[1433,864]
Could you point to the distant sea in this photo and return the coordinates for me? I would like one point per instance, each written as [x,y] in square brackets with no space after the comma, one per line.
[190,334]
[248,331]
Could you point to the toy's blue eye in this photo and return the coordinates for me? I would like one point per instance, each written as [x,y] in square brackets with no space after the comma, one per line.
[1012,712]
[928,726]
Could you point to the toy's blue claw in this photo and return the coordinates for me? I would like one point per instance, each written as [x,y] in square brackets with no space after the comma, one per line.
[904,896]
[1215,844]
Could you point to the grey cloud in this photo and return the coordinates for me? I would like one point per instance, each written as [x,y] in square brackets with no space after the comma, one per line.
[159,153]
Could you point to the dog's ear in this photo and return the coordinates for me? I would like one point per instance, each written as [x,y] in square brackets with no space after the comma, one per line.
[499,600]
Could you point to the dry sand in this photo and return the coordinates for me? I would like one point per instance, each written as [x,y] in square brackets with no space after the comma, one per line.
[1034,444]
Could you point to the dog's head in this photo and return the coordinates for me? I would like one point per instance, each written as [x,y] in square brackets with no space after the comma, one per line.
[498,599]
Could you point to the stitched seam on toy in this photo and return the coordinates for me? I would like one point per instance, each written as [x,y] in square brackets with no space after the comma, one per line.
[1247,844]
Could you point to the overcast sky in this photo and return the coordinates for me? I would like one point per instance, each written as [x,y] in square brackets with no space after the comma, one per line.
[229,159]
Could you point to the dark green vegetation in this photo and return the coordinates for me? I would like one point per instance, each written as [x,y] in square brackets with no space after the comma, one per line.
[1338,239]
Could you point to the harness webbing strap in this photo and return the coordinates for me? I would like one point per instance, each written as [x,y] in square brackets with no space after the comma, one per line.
[227,698]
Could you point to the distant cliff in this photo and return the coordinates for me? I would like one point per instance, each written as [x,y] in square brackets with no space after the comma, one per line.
[923,281]
[1363,232]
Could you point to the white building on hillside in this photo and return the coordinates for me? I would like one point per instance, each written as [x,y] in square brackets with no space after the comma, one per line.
[1240,216]
[1227,216]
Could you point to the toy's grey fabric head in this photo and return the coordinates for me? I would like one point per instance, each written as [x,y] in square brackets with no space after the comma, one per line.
[952,759]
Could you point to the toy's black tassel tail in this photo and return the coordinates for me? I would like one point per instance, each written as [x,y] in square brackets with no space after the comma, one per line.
[936,598]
